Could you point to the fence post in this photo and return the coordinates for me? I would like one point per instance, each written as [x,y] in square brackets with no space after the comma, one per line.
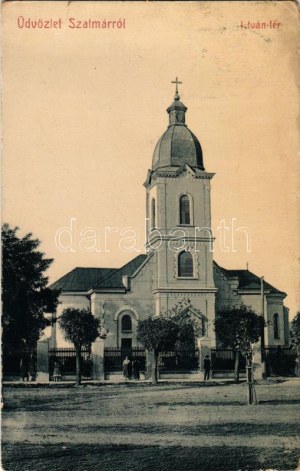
[52,340]
[258,366]
[98,359]
[149,363]
[42,361]
[204,344]
[297,362]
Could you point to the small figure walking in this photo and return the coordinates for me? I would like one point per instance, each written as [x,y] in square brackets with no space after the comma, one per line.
[56,372]
[206,367]
[126,366]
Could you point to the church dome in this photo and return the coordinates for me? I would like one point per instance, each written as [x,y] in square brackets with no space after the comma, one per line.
[178,145]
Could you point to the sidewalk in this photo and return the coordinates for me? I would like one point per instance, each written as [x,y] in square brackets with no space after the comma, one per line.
[95,383]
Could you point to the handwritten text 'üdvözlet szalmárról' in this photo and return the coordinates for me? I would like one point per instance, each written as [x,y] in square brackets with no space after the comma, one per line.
[71,23]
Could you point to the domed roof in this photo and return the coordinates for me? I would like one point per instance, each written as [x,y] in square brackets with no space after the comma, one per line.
[178,145]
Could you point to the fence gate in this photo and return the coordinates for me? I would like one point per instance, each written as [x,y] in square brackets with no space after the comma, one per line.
[114,357]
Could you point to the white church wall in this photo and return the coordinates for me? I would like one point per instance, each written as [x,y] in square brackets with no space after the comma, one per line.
[225,295]
[253,300]
[138,302]
[272,305]
[115,305]
[170,194]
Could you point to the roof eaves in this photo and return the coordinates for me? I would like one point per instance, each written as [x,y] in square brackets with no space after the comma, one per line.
[107,290]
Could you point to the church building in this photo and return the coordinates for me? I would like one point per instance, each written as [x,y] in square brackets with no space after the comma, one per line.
[178,264]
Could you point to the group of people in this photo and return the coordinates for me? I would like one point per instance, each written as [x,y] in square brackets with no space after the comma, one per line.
[131,369]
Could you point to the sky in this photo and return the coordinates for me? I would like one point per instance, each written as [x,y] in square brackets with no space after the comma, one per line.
[83,109]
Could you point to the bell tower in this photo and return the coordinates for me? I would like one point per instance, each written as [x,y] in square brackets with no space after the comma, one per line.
[178,214]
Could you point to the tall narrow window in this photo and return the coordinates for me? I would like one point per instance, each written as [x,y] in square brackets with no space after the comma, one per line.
[126,323]
[184,210]
[185,264]
[276,326]
[153,213]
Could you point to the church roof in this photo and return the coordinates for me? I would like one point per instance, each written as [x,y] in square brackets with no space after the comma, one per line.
[84,279]
[81,279]
[248,280]
[114,280]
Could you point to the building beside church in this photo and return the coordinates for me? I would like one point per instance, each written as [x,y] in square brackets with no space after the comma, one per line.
[178,263]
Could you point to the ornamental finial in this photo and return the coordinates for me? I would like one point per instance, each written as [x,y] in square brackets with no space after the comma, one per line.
[177,97]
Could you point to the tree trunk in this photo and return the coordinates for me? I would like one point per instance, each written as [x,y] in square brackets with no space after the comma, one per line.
[155,367]
[237,366]
[250,381]
[78,366]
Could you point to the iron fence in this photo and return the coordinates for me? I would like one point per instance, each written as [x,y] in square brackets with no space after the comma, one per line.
[16,361]
[223,359]
[280,361]
[179,360]
[65,358]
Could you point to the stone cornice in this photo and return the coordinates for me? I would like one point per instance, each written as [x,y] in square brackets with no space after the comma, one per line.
[267,292]
[154,175]
[184,290]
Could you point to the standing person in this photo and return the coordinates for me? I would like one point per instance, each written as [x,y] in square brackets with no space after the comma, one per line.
[88,367]
[206,367]
[126,366]
[24,367]
[56,372]
[136,369]
[32,368]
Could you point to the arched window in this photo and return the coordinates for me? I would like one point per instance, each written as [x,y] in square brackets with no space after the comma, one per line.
[126,323]
[276,326]
[185,264]
[184,210]
[153,213]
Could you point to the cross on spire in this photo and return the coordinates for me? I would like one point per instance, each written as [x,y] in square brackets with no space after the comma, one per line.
[177,83]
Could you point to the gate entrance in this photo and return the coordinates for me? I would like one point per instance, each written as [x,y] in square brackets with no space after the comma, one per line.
[114,357]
